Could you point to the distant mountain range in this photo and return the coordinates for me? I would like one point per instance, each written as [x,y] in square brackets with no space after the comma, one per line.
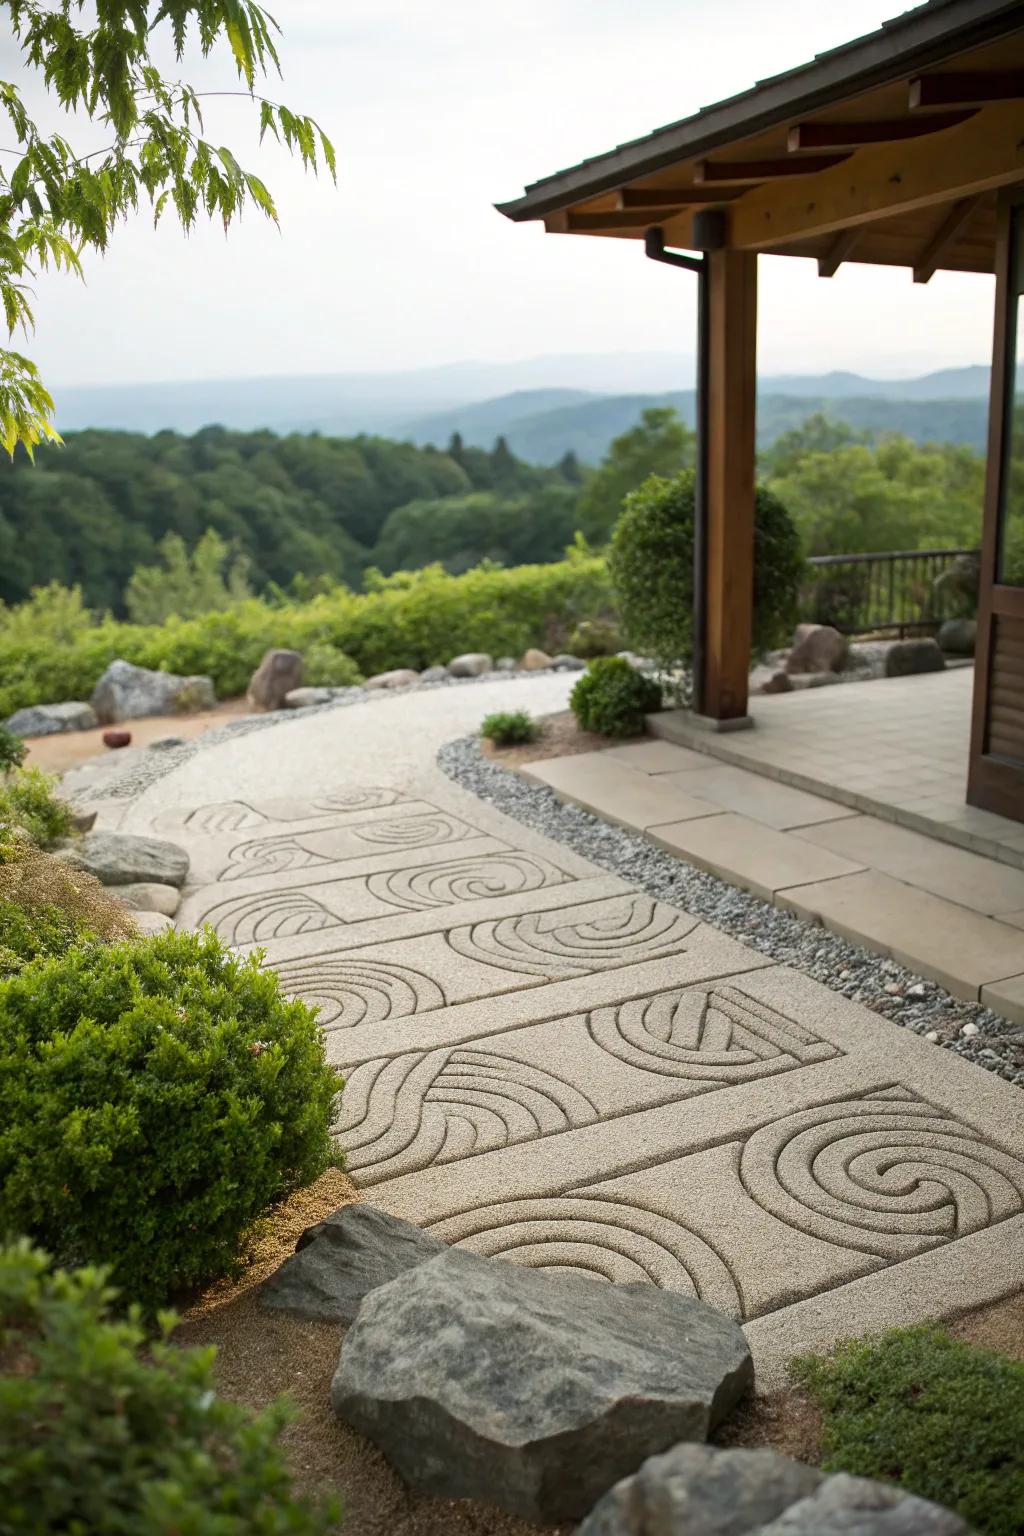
[544,406]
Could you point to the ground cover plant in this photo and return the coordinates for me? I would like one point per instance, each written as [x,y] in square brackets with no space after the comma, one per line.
[107,1431]
[942,1418]
[28,802]
[156,1097]
[612,698]
[512,729]
[13,750]
[46,906]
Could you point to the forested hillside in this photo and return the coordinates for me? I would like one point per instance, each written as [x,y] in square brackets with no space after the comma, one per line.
[91,512]
[150,526]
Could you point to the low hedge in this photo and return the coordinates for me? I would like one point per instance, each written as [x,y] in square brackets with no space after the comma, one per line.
[156,1097]
[416,619]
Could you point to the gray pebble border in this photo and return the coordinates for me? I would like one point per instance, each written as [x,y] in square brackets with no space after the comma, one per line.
[882,985]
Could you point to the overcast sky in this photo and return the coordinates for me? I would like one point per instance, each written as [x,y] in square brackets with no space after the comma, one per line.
[437,111]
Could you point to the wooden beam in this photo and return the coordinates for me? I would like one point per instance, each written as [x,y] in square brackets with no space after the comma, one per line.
[674,197]
[818,135]
[839,251]
[947,234]
[723,172]
[589,223]
[732,383]
[982,154]
[966,88]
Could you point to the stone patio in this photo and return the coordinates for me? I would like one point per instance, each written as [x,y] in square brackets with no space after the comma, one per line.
[896,748]
[547,1064]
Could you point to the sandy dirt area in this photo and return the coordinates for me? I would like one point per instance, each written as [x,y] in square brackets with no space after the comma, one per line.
[58,754]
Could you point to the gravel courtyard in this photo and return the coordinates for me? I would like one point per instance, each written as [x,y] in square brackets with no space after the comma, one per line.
[561,1051]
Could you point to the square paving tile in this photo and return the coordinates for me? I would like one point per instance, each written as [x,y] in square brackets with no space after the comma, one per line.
[658,757]
[951,944]
[752,856]
[952,873]
[1006,998]
[764,800]
[617,793]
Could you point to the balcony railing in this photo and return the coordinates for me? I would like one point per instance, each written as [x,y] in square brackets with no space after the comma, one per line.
[907,591]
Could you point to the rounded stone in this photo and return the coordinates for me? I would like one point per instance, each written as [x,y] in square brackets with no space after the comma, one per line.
[277,675]
[401,677]
[472,664]
[151,896]
[535,661]
[116,739]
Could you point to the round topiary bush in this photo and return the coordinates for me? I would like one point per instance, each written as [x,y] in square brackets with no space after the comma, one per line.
[105,1432]
[156,1096]
[651,564]
[612,698]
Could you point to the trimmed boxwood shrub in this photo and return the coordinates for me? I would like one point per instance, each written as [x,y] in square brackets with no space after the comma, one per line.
[156,1097]
[651,565]
[612,697]
[106,1433]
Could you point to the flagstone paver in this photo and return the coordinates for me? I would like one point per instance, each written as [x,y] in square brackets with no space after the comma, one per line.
[966,878]
[766,800]
[618,792]
[748,854]
[546,1064]
[951,944]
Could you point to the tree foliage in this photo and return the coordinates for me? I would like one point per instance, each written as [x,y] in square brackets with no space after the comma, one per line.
[57,202]
[186,585]
[660,444]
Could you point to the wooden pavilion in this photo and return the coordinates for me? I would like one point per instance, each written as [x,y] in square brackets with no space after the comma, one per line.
[904,148]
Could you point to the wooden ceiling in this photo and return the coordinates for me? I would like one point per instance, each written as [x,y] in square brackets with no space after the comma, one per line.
[906,174]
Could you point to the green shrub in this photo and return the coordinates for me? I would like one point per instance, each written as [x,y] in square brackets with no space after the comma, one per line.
[12,750]
[106,1433]
[940,1417]
[595,637]
[324,666]
[651,565]
[156,1096]
[414,619]
[612,698]
[27,801]
[46,906]
[510,730]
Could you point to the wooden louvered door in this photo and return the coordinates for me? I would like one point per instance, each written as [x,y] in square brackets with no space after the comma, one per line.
[996,779]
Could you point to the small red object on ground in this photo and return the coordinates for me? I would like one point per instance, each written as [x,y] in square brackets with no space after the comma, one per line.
[117,738]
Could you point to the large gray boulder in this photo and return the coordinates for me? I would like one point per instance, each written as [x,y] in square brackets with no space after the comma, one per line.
[278,674]
[856,1506]
[472,664]
[483,1379]
[50,719]
[904,658]
[817,648]
[343,1259]
[127,692]
[958,636]
[700,1490]
[122,858]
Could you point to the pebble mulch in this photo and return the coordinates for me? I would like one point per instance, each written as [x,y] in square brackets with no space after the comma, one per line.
[884,986]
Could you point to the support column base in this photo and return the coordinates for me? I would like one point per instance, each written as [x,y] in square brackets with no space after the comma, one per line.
[676,724]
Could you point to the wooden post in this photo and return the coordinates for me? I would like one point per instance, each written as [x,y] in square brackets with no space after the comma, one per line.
[731,394]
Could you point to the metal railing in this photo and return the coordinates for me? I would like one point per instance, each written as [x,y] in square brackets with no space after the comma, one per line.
[910,591]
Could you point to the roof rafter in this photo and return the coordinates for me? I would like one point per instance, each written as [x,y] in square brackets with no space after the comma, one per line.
[947,234]
[839,251]
[832,135]
[724,172]
[966,88]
